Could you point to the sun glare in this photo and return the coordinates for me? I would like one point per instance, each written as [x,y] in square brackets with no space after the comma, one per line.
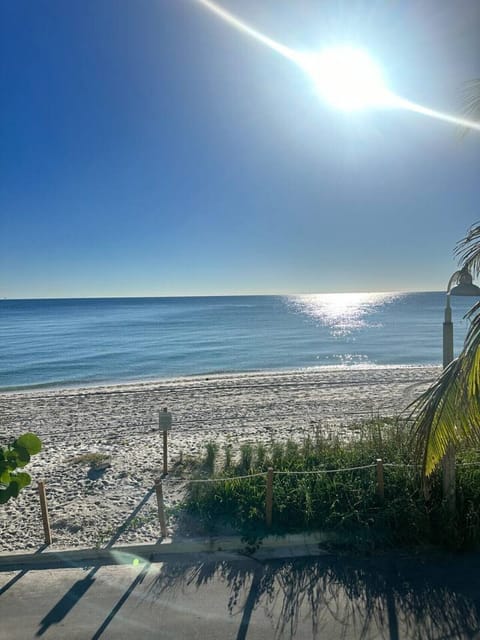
[347,78]
[343,313]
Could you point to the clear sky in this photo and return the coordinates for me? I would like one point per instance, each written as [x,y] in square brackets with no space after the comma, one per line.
[147,148]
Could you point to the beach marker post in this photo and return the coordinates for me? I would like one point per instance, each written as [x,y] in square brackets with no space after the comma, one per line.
[269,498]
[45,517]
[161,507]
[380,480]
[165,424]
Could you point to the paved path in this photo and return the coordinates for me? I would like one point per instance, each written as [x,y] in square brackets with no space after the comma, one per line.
[226,597]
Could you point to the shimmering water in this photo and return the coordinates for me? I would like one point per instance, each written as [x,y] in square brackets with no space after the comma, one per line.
[73,342]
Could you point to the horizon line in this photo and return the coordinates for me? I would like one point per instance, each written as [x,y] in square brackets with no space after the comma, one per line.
[214,295]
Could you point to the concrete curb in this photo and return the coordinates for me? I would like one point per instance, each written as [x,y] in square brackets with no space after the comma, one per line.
[274,547]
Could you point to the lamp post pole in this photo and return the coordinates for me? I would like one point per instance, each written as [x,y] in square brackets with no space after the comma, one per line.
[447,334]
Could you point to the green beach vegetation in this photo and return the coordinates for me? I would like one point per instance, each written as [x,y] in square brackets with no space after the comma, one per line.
[13,457]
[312,491]
[95,460]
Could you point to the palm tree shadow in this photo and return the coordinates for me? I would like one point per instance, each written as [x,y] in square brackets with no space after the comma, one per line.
[391,596]
[80,588]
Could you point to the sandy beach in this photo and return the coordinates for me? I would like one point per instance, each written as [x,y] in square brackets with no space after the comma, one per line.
[121,421]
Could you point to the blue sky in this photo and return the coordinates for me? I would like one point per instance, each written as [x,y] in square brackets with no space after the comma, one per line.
[149,149]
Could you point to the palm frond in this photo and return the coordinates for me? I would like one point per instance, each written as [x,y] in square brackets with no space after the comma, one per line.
[471,354]
[471,102]
[471,96]
[467,250]
[448,413]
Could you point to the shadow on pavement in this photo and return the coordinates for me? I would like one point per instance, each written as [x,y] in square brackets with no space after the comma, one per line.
[65,604]
[21,573]
[119,604]
[392,597]
[78,590]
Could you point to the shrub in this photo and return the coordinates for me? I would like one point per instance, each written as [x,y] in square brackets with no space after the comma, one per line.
[16,456]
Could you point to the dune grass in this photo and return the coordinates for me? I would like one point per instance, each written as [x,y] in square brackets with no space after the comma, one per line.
[94,459]
[343,504]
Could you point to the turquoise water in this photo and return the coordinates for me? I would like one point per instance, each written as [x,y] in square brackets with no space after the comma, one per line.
[75,342]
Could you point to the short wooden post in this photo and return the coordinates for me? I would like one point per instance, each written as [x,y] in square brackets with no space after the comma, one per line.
[45,518]
[380,482]
[165,453]
[269,498]
[161,507]
[165,424]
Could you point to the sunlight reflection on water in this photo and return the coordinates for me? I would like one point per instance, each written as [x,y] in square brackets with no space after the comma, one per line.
[342,313]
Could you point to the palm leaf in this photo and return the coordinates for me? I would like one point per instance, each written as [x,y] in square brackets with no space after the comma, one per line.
[448,413]
[471,99]
[467,250]
[471,102]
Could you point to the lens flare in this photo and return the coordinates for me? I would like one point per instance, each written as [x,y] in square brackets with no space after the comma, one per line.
[341,82]
[346,77]
[402,103]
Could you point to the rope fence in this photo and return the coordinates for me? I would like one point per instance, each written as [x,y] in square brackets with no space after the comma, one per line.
[268,475]
[231,479]
[402,465]
[320,471]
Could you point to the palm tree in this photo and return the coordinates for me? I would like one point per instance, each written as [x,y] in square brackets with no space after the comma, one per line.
[448,413]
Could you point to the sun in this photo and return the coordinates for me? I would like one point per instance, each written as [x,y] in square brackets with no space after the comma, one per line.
[347,78]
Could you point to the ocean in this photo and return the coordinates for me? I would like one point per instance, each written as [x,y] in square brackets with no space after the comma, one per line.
[60,343]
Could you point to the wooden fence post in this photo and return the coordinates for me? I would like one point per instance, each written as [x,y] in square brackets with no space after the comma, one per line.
[165,424]
[45,518]
[165,453]
[269,498]
[161,507]
[380,482]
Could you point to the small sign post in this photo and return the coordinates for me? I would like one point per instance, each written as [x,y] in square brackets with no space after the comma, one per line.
[165,424]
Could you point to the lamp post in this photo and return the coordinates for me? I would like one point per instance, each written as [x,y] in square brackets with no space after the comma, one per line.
[464,287]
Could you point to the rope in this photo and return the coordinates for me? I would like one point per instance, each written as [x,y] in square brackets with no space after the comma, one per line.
[278,473]
[317,471]
[253,475]
[401,465]
[321,471]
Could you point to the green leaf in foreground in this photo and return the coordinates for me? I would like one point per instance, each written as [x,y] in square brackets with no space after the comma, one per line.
[5,495]
[30,442]
[23,479]
[12,457]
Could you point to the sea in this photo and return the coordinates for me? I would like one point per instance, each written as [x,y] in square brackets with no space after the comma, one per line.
[77,342]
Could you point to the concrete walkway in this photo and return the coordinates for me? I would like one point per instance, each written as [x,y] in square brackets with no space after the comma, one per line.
[226,596]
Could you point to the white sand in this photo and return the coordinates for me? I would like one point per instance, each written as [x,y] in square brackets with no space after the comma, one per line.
[121,421]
